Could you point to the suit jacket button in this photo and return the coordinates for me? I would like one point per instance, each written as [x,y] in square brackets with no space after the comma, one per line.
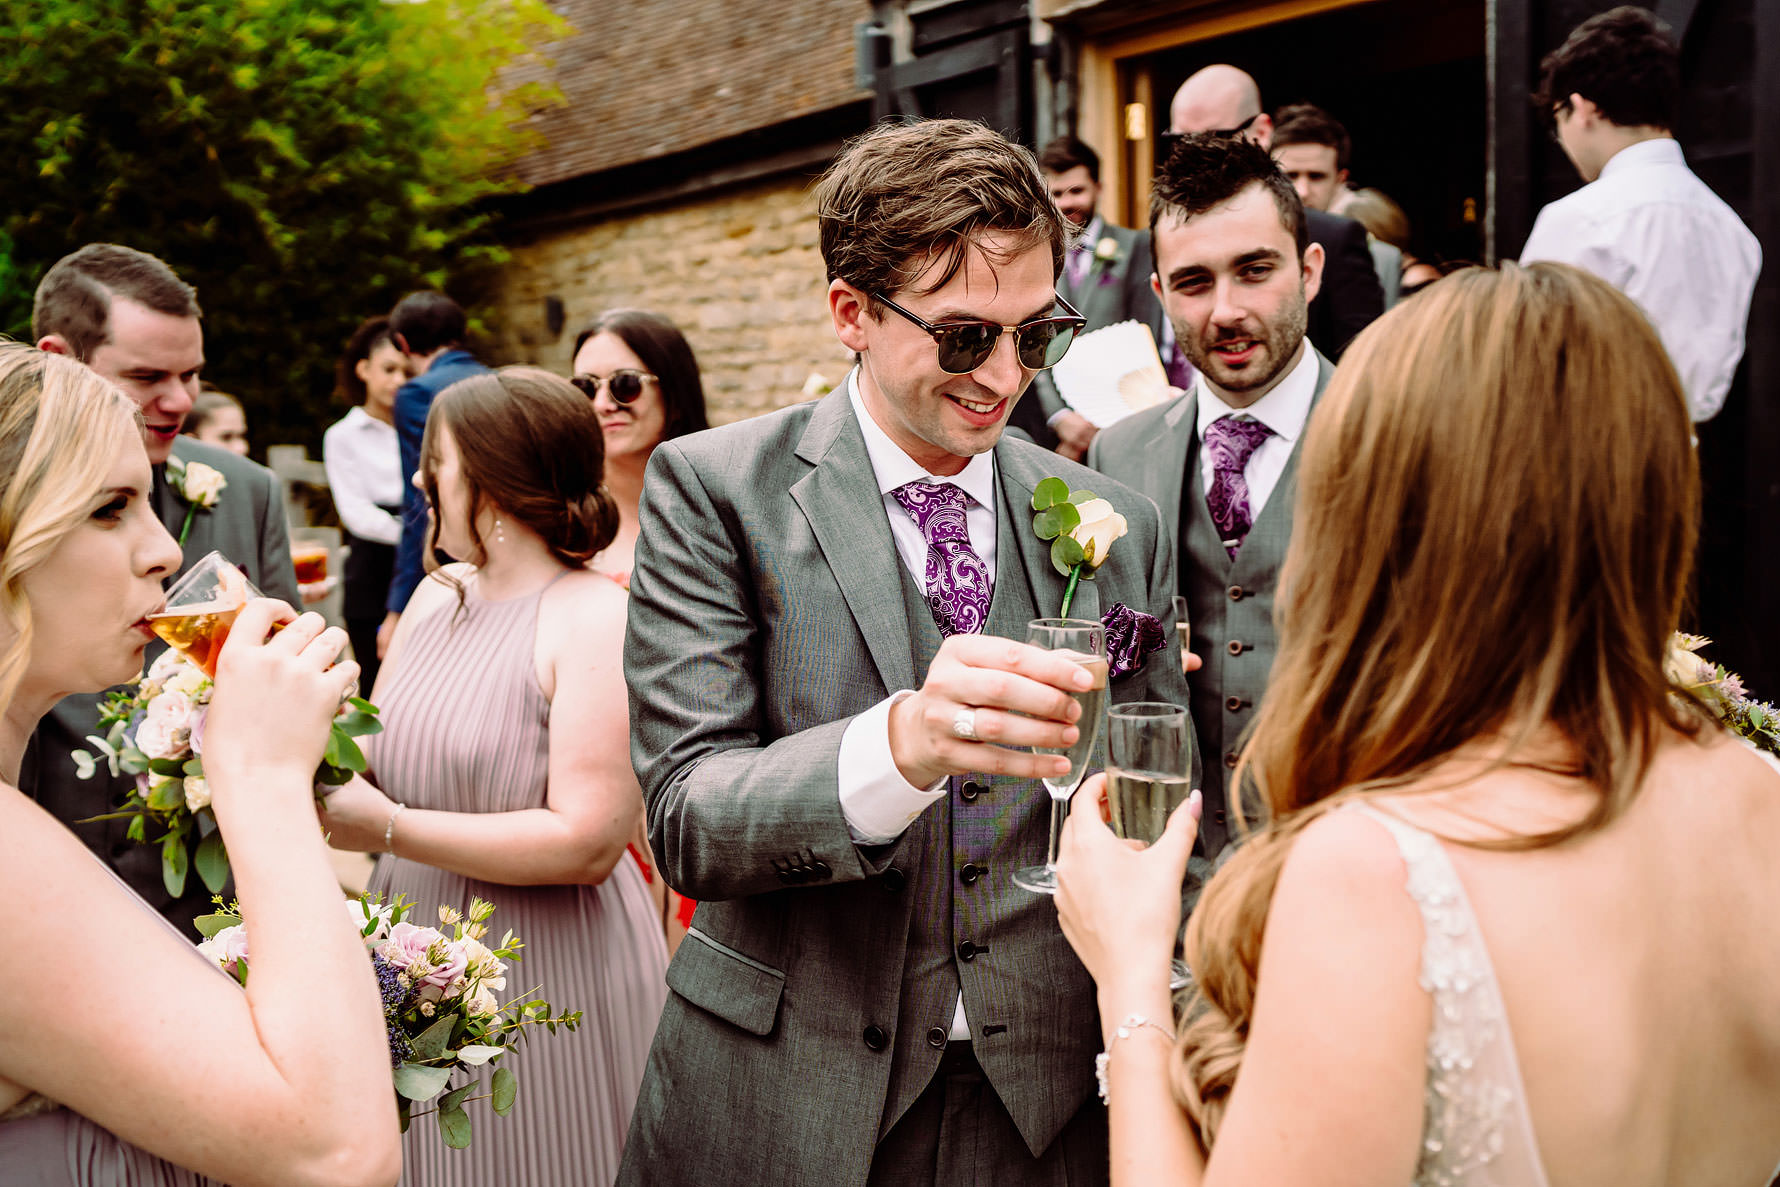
[967,951]
[1230,760]
[936,1037]
[1234,704]
[971,789]
[1218,816]
[1236,647]
[1235,592]
[895,880]
[971,872]
[875,1038]
[819,870]
[786,877]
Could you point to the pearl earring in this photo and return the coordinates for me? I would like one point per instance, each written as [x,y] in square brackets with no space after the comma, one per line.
[500,536]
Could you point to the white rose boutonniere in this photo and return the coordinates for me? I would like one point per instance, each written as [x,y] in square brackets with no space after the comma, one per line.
[1081,528]
[199,485]
[1107,250]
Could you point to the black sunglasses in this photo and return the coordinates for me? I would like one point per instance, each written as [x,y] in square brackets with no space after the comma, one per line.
[624,384]
[966,345]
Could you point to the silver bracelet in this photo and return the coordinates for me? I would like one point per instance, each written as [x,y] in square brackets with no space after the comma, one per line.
[389,830]
[1124,1030]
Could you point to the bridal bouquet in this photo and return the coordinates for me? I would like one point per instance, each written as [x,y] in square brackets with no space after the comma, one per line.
[440,1002]
[1721,693]
[154,730]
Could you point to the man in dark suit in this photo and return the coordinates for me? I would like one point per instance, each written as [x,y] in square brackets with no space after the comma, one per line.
[1225,99]
[831,710]
[128,317]
[1106,278]
[429,329]
[1236,269]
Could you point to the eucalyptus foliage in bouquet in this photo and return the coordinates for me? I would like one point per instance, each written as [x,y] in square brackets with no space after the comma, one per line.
[154,730]
[1721,693]
[441,1003]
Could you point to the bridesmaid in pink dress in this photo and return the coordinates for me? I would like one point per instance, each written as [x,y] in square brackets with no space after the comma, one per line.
[643,379]
[503,770]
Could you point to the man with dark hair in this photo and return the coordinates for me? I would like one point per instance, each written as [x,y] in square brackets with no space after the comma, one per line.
[1224,99]
[1312,149]
[1236,271]
[126,315]
[429,329]
[865,995]
[1644,223]
[1106,276]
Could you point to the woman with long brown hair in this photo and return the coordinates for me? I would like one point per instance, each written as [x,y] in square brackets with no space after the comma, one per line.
[503,770]
[1508,918]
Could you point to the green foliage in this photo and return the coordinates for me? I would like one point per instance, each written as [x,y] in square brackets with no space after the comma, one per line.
[303,164]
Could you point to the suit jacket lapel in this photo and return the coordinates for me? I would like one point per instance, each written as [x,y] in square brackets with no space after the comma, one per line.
[1017,472]
[1166,460]
[840,499]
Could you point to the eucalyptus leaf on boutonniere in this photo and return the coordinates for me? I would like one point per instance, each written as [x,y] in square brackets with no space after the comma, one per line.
[199,485]
[1081,527]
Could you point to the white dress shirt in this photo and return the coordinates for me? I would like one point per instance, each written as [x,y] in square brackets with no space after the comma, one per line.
[1285,410]
[364,465]
[877,802]
[1656,232]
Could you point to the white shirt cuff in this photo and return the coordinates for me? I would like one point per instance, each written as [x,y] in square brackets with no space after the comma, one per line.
[877,802]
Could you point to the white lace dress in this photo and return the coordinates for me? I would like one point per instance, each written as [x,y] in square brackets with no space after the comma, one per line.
[1476,1130]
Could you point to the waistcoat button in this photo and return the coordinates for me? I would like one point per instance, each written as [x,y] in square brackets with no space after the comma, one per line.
[971,789]
[875,1038]
[971,872]
[1234,704]
[967,951]
[1230,760]
[895,880]
[1235,592]
[936,1037]
[1236,647]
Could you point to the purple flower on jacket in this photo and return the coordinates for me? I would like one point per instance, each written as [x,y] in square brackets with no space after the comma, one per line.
[1106,275]
[1130,636]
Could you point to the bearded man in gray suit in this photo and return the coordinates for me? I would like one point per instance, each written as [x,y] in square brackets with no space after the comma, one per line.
[831,718]
[126,315]
[1236,271]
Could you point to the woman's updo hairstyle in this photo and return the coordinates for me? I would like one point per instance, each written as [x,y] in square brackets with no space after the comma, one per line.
[530,446]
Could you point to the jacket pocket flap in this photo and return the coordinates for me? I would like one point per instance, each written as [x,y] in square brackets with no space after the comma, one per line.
[734,987]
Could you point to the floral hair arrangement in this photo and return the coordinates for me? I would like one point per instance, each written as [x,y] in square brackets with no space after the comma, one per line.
[440,1002]
[1720,692]
[155,731]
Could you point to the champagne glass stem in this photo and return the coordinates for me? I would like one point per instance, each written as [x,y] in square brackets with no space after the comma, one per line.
[1059,813]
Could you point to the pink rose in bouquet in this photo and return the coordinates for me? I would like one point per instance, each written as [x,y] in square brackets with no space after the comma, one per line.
[166,729]
[425,954]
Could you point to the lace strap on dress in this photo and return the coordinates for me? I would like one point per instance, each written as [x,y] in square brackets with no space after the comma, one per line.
[1476,1127]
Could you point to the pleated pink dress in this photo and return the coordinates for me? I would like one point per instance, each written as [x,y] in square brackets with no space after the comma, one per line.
[466,729]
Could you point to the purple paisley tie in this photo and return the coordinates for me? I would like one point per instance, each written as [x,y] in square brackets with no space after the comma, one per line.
[958,584]
[1231,442]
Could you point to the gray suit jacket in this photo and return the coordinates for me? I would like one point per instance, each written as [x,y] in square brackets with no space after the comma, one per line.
[247,525]
[1231,602]
[1108,294]
[810,999]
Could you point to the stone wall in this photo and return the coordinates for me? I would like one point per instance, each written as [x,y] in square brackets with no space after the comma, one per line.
[739,272]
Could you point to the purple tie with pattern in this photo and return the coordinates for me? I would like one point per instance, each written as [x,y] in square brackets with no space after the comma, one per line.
[958,585]
[1231,442]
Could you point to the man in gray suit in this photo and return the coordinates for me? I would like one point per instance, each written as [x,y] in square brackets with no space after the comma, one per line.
[1105,277]
[831,714]
[1236,272]
[128,317]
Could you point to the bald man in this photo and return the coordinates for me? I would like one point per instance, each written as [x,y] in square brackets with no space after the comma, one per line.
[1224,99]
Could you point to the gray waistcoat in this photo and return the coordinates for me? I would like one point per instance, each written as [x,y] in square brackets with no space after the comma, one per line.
[985,829]
[1232,607]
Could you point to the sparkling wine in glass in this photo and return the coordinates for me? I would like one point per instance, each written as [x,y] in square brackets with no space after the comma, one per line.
[201,609]
[1084,642]
[1149,774]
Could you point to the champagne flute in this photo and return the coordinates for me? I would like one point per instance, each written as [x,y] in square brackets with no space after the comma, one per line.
[201,609]
[1149,765]
[1085,643]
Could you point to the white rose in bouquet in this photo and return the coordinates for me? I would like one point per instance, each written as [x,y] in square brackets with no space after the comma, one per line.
[166,730]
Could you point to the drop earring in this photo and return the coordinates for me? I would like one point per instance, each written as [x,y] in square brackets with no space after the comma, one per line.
[500,535]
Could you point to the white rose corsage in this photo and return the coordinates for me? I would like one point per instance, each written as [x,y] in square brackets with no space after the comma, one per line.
[199,485]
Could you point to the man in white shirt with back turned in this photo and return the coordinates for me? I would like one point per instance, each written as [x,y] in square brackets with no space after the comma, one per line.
[1644,223]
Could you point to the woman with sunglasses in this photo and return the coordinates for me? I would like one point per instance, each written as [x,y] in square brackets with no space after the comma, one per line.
[641,375]
[643,380]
